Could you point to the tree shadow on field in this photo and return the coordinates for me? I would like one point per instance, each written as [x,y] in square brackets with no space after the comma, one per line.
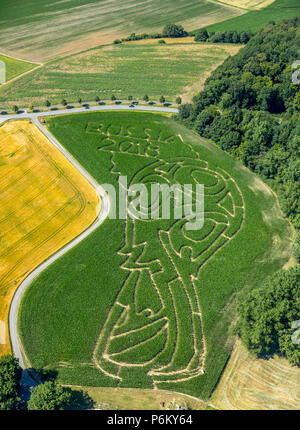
[81,400]
[44,375]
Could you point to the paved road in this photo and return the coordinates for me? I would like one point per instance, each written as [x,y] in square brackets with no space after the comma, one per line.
[36,115]
[101,216]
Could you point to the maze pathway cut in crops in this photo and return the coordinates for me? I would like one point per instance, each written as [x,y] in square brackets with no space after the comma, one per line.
[154,326]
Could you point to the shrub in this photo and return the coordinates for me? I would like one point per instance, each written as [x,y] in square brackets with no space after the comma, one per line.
[201,35]
[267,314]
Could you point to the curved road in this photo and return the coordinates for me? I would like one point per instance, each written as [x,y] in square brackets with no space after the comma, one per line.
[101,216]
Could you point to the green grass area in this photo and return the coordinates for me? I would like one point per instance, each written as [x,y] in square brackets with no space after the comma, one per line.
[15,67]
[148,301]
[255,20]
[48,29]
[129,69]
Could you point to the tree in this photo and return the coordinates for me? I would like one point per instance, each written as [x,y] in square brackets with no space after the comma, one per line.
[201,35]
[244,37]
[235,37]
[64,102]
[47,103]
[50,396]
[79,100]
[31,107]
[146,98]
[185,111]
[267,314]
[10,377]
[161,41]
[296,102]
[16,109]
[173,30]
[129,97]
[296,246]
[162,99]
[97,99]
[178,100]
[113,97]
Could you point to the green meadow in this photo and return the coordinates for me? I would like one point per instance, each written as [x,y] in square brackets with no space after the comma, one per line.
[255,20]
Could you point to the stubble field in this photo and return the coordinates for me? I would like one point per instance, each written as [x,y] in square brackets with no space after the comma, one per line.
[44,204]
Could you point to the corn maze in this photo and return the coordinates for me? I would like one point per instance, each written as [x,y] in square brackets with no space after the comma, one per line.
[154,327]
[144,302]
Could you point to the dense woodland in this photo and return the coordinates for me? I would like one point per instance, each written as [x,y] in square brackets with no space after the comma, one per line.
[251,108]
[267,315]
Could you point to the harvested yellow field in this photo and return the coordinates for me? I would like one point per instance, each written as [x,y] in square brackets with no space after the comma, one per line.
[139,399]
[251,383]
[45,203]
[248,4]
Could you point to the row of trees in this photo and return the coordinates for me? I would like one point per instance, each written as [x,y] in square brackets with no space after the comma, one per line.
[48,395]
[223,36]
[174,30]
[64,102]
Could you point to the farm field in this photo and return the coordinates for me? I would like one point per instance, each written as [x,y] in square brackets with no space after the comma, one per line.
[126,297]
[255,20]
[251,383]
[82,24]
[44,204]
[130,69]
[15,67]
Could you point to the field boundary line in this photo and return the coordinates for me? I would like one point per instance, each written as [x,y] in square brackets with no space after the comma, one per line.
[20,59]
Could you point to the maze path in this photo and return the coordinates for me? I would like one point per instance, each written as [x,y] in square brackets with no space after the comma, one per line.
[155,323]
